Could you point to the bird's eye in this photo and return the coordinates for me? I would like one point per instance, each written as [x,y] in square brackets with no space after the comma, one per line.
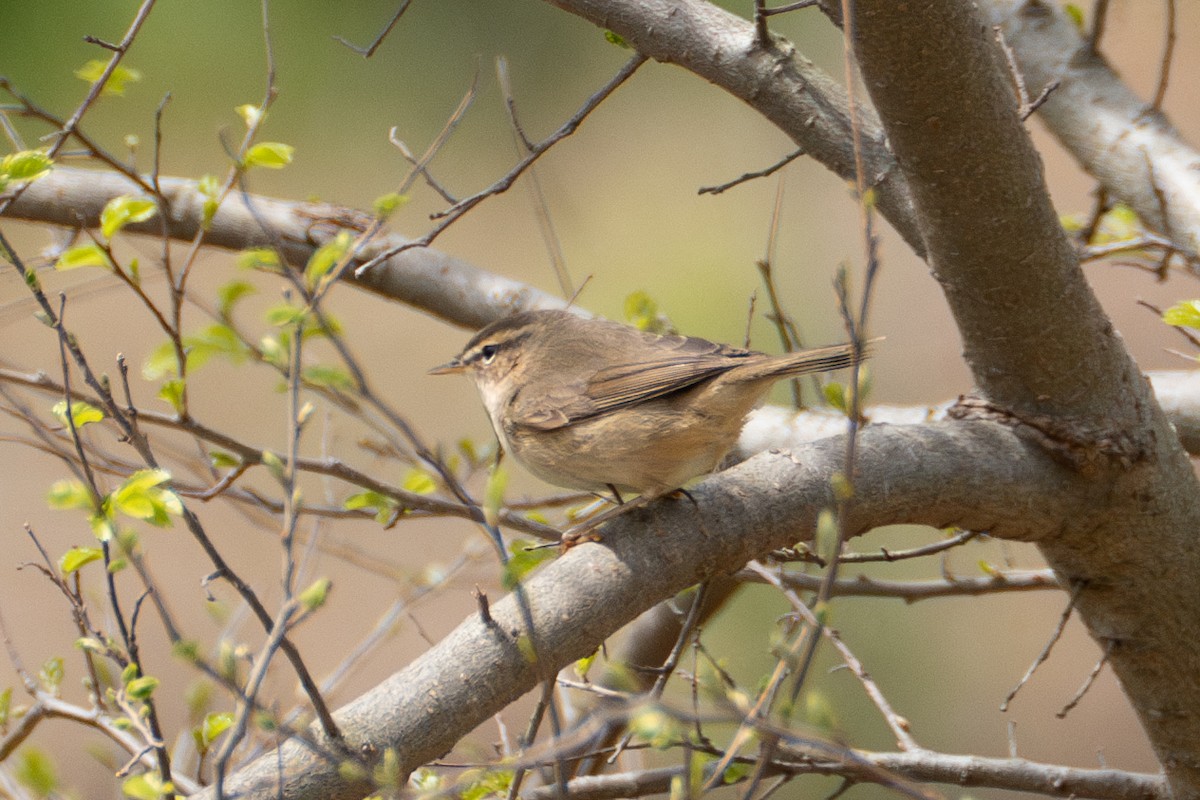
[488,353]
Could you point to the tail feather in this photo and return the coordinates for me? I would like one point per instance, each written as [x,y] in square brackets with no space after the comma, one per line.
[820,359]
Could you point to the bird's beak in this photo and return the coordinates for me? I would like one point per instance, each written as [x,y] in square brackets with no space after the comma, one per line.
[452,367]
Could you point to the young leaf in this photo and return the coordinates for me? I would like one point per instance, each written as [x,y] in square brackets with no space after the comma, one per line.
[143,496]
[522,562]
[285,314]
[326,257]
[148,786]
[76,557]
[251,114]
[120,211]
[84,255]
[94,69]
[493,494]
[81,413]
[51,675]
[210,190]
[316,594]
[1183,315]
[172,392]
[387,204]
[66,494]
[36,773]
[272,155]
[230,293]
[215,724]
[260,258]
[25,165]
[141,688]
[329,377]
[385,507]
[420,481]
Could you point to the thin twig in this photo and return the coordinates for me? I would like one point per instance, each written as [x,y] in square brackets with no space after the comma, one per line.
[749,176]
[1091,678]
[370,49]
[455,212]
[1045,653]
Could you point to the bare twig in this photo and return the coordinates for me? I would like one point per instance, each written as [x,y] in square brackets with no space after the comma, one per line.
[369,50]
[749,176]
[455,212]
[1045,653]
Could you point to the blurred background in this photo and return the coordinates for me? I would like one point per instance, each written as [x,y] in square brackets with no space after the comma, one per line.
[622,197]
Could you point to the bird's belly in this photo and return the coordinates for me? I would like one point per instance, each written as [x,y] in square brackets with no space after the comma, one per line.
[654,451]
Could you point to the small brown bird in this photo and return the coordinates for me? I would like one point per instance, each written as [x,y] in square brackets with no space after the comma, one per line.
[594,405]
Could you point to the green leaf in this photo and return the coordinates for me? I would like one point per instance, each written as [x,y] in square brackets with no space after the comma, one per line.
[142,688]
[272,155]
[615,38]
[76,557]
[326,257]
[5,707]
[835,395]
[120,211]
[251,114]
[1183,315]
[25,165]
[260,258]
[81,413]
[172,392]
[316,594]
[210,190]
[285,314]
[215,340]
[35,772]
[329,377]
[143,496]
[655,727]
[1075,14]
[215,724]
[584,665]
[273,464]
[274,351]
[387,204]
[223,460]
[51,675]
[69,493]
[522,562]
[489,784]
[90,644]
[230,293]
[161,361]
[84,255]
[493,494]
[147,786]
[94,69]
[641,311]
[385,507]
[420,481]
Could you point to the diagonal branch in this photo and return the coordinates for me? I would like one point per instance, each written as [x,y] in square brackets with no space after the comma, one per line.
[966,473]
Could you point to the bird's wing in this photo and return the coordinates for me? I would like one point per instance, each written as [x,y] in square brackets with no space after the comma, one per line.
[619,386]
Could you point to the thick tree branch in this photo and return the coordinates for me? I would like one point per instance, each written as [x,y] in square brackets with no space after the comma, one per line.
[1043,353]
[440,284]
[975,474]
[774,80]
[1135,152]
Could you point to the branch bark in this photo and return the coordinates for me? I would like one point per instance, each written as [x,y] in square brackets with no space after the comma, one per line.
[425,278]
[1135,153]
[975,474]
[1043,353]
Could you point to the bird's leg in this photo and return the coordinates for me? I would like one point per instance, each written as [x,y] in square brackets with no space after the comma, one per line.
[586,531]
